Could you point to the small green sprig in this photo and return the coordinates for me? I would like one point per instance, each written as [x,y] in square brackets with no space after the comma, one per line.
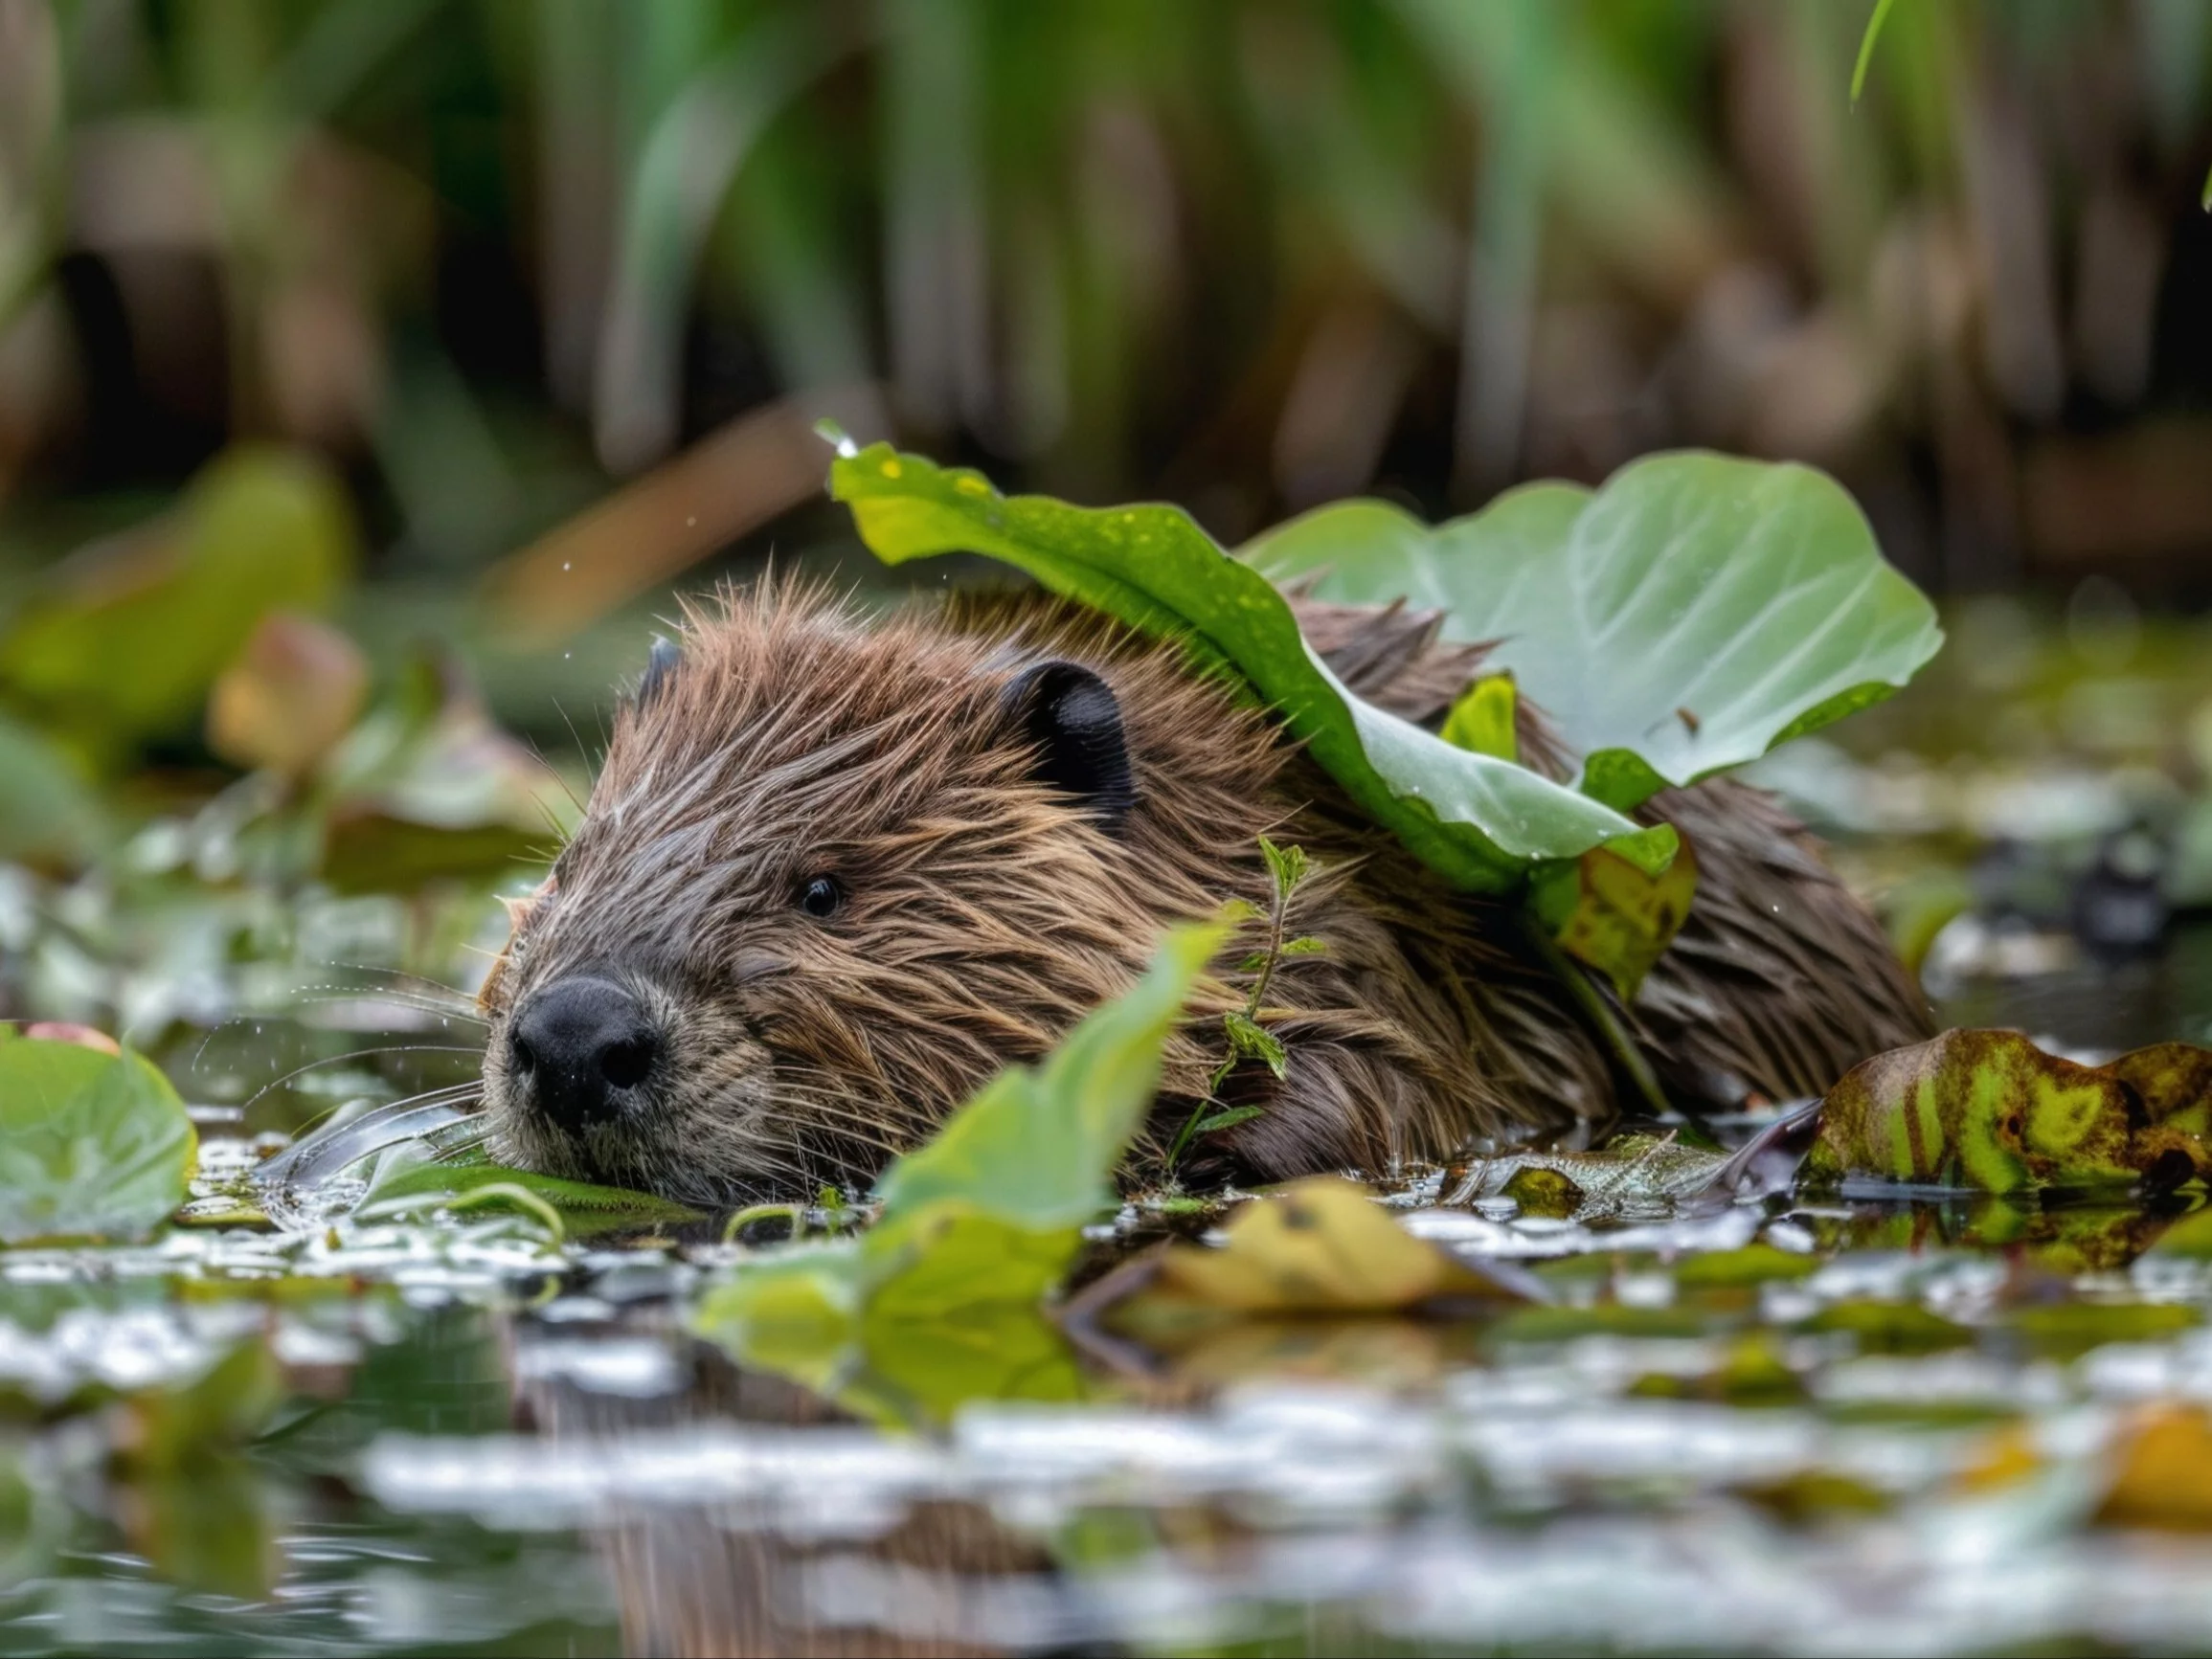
[1248,1040]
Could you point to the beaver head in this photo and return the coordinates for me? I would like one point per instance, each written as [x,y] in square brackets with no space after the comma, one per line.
[833,874]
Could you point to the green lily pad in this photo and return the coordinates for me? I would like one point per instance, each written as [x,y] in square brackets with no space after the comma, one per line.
[1476,818]
[1685,618]
[92,1144]
[1989,1111]
[977,1227]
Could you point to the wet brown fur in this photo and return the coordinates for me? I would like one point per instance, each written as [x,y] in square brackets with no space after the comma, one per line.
[985,913]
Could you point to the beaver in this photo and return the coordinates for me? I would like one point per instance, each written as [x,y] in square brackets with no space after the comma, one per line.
[837,870]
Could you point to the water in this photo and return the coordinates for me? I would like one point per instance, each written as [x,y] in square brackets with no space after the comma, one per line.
[1784,1427]
[1787,1427]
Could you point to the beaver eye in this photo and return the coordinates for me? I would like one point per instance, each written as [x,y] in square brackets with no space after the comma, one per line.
[820,896]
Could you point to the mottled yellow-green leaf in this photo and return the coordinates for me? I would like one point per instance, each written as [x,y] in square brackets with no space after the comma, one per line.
[1988,1109]
[1606,913]
[2174,1082]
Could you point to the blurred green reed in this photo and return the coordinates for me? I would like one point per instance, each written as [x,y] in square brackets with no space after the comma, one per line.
[1251,254]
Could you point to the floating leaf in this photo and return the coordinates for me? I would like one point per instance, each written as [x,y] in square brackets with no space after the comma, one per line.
[1988,1109]
[1477,820]
[2069,1330]
[1693,613]
[1751,1373]
[1879,1327]
[2173,1081]
[1321,1245]
[1756,1263]
[1605,911]
[91,1144]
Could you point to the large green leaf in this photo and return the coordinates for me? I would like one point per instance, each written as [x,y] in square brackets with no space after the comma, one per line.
[1476,819]
[92,1144]
[1684,618]
[977,1227]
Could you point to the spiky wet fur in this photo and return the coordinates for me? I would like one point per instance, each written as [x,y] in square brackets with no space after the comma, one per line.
[985,915]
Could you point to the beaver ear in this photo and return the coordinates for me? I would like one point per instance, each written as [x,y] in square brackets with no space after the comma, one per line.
[1073,717]
[666,657]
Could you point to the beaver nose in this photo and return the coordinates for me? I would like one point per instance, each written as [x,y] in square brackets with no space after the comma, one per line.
[582,1043]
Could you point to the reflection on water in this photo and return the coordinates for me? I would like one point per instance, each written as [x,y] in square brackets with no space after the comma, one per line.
[1788,1427]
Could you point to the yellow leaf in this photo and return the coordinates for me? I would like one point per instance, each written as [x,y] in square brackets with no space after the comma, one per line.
[2164,1474]
[1481,721]
[1606,913]
[1320,1245]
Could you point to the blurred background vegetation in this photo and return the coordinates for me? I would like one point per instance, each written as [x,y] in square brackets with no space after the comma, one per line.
[357,355]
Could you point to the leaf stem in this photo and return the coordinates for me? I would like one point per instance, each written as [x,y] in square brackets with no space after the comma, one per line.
[514,1192]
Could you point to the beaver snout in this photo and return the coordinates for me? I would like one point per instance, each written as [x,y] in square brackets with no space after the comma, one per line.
[582,1047]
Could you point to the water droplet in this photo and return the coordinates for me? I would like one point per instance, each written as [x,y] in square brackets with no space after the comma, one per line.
[567,565]
[691,521]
